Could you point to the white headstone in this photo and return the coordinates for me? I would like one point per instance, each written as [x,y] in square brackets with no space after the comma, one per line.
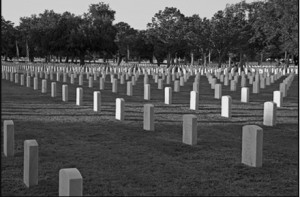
[79,96]
[252,145]
[30,163]
[194,100]
[226,106]
[148,117]
[189,134]
[168,95]
[269,114]
[70,182]
[120,105]
[245,95]
[8,138]
[277,98]
[97,101]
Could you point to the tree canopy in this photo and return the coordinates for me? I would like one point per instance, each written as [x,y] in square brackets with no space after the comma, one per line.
[241,32]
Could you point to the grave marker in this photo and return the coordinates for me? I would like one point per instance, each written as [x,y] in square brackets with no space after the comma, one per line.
[269,114]
[9,138]
[97,101]
[30,163]
[70,182]
[148,117]
[226,106]
[120,105]
[189,134]
[252,145]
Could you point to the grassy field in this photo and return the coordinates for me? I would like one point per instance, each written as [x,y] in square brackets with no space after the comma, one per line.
[120,158]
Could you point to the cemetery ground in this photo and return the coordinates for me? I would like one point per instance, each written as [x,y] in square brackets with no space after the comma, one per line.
[120,158]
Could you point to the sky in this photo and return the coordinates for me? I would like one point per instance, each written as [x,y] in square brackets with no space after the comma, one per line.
[137,13]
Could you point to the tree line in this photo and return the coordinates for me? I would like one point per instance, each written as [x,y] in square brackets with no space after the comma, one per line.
[239,33]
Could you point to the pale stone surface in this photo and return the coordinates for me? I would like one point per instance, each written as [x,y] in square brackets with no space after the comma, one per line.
[72,79]
[115,86]
[226,81]
[35,83]
[8,138]
[28,79]
[268,81]
[16,78]
[64,77]
[218,91]
[129,90]
[181,81]
[120,106]
[53,89]
[148,123]
[176,86]
[262,83]
[22,80]
[70,182]
[80,80]
[243,81]
[97,101]
[194,100]
[79,96]
[65,93]
[226,106]
[196,86]
[168,95]
[189,134]
[146,79]
[245,95]
[283,89]
[277,98]
[57,76]
[160,84]
[44,86]
[269,113]
[232,85]
[213,83]
[133,80]
[255,87]
[30,163]
[90,82]
[252,145]
[101,83]
[147,92]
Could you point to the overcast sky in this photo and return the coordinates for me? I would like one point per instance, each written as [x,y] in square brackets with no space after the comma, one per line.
[137,13]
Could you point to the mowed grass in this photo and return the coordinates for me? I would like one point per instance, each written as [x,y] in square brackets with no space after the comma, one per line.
[120,158]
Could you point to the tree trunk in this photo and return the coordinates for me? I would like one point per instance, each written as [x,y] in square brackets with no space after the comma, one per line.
[60,59]
[67,59]
[261,58]
[204,59]
[209,54]
[17,50]
[229,61]
[168,59]
[81,60]
[27,50]
[219,60]
[128,53]
[192,58]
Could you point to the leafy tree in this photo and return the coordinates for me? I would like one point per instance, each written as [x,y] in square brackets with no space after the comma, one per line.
[8,39]
[166,31]
[125,40]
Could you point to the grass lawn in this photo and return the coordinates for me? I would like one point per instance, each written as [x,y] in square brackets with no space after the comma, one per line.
[120,158]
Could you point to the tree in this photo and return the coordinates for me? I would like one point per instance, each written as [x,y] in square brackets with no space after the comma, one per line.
[277,26]
[8,39]
[166,31]
[125,40]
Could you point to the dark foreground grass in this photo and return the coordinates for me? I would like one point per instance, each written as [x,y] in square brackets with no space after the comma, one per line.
[120,158]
